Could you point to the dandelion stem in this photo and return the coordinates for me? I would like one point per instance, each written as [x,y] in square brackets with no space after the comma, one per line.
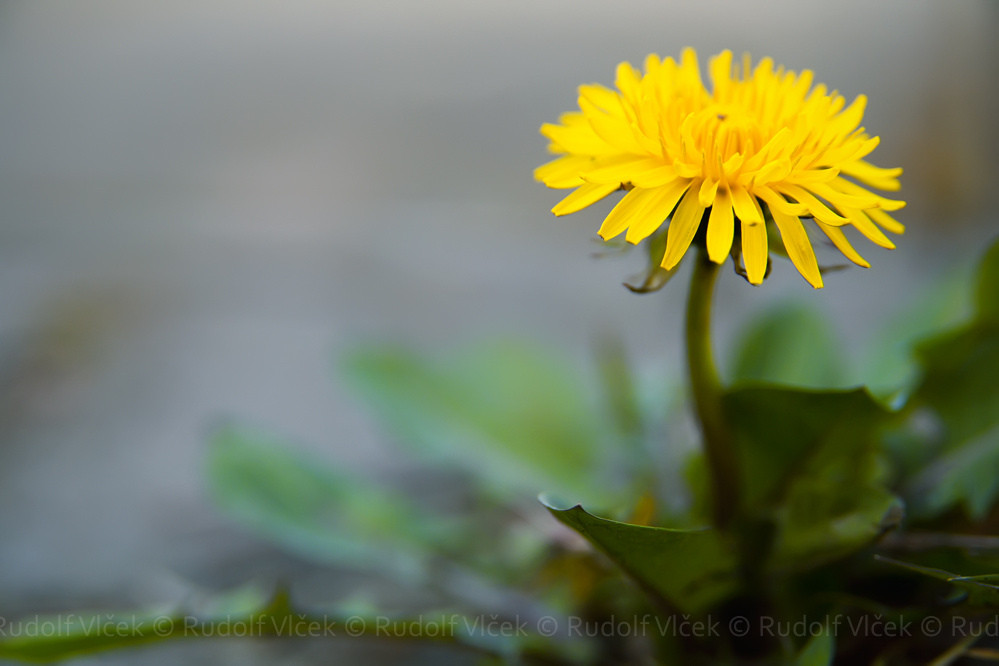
[707,392]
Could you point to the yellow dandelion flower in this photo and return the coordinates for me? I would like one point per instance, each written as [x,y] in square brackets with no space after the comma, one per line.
[764,144]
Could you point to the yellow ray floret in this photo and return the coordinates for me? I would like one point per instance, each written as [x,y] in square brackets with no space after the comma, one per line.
[762,146]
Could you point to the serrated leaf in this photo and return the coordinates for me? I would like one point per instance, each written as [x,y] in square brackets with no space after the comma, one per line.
[327,514]
[516,418]
[779,430]
[811,464]
[789,345]
[691,569]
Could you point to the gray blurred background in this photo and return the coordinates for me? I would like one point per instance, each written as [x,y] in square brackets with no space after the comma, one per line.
[203,204]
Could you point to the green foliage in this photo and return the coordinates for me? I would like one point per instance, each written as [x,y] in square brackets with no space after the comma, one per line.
[819,651]
[966,476]
[959,388]
[819,477]
[516,418]
[980,591]
[327,514]
[789,345]
[689,569]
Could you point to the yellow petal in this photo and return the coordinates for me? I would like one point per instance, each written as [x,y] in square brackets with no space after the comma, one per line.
[859,219]
[579,140]
[682,228]
[563,172]
[606,99]
[818,209]
[706,194]
[754,250]
[625,212]
[654,177]
[882,179]
[721,227]
[839,239]
[746,208]
[582,197]
[886,221]
[798,247]
[620,168]
[659,208]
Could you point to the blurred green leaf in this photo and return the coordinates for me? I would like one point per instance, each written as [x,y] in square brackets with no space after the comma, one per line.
[789,345]
[517,418]
[58,637]
[967,476]
[819,651]
[987,285]
[55,638]
[811,462]
[888,368]
[959,380]
[690,569]
[327,514]
[959,385]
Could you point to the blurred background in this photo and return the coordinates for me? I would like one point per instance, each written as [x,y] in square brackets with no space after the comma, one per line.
[203,205]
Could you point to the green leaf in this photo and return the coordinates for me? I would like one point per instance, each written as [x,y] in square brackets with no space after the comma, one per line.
[959,380]
[959,385]
[59,637]
[981,590]
[987,285]
[56,638]
[327,514]
[779,430]
[691,569]
[811,463]
[819,651]
[789,345]
[517,418]
[966,476]
[888,368]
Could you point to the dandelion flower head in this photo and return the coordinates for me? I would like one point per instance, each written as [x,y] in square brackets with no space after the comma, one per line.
[763,144]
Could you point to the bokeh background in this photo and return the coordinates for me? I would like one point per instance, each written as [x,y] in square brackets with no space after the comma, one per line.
[203,205]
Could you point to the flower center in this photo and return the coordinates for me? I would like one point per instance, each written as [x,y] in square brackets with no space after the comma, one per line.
[722,130]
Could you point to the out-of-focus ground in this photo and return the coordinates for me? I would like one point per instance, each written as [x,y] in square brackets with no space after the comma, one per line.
[203,204]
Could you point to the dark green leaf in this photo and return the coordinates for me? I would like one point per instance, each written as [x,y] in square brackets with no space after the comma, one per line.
[690,569]
[515,417]
[980,590]
[780,430]
[987,285]
[811,463]
[819,651]
[790,345]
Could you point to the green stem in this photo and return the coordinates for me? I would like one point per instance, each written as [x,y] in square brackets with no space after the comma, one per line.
[707,392]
